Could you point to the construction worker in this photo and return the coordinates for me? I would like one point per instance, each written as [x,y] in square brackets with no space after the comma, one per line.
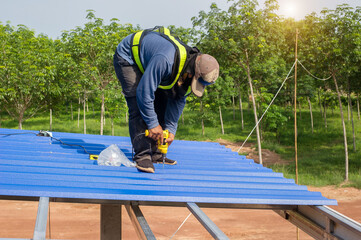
[157,72]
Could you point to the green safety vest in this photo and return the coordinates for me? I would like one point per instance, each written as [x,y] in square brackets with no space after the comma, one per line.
[181,59]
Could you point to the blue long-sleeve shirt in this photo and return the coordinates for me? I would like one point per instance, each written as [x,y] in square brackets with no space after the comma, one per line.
[157,57]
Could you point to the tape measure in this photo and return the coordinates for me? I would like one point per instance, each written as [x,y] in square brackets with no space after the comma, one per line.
[93,157]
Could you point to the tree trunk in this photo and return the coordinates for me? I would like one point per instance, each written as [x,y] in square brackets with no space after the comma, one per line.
[255,112]
[249,100]
[203,132]
[325,114]
[234,110]
[221,118]
[343,126]
[102,115]
[20,120]
[202,122]
[319,101]
[126,116]
[87,105]
[259,107]
[51,119]
[358,108]
[79,112]
[353,127]
[71,110]
[182,119]
[310,105]
[241,109]
[112,123]
[84,117]
[348,110]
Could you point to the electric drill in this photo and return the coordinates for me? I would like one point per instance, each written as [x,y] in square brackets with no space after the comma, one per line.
[163,148]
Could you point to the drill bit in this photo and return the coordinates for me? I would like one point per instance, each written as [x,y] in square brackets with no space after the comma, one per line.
[163,155]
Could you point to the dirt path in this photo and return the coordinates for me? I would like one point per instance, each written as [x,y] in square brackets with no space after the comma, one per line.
[268,157]
[81,221]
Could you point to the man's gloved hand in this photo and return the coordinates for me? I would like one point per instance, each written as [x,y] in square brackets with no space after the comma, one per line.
[156,133]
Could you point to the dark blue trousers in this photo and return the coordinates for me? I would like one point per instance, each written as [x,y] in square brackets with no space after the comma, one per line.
[129,77]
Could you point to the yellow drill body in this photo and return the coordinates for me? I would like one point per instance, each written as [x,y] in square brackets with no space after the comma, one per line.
[163,148]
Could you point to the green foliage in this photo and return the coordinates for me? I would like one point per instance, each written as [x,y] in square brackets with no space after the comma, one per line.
[275,120]
[115,100]
[202,109]
[27,70]
[92,48]
[250,43]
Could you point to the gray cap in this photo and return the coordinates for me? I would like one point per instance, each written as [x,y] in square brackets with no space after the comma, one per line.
[206,73]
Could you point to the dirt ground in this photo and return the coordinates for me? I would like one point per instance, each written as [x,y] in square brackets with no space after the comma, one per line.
[81,221]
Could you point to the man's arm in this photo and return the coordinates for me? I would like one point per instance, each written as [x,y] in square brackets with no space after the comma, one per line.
[157,69]
[172,114]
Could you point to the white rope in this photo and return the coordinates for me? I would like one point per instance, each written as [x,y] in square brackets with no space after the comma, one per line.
[180,226]
[322,79]
[267,107]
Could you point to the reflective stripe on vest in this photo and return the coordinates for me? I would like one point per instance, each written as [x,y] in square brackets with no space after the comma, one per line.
[135,50]
[182,55]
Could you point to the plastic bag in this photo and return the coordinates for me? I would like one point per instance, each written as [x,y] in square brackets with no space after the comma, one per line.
[113,156]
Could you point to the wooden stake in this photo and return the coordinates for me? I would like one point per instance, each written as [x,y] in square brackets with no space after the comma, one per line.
[295,112]
[84,116]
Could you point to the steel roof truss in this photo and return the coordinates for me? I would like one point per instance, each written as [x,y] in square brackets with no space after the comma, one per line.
[139,223]
[41,219]
[322,222]
[16,239]
[206,221]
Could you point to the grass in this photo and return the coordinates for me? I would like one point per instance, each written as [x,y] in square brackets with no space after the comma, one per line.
[321,155]
[321,158]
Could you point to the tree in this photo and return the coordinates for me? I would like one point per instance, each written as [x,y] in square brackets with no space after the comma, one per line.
[26,70]
[92,48]
[335,50]
[220,95]
[115,101]
[246,38]
[62,84]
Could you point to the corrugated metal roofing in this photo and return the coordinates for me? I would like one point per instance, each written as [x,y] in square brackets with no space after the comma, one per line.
[206,172]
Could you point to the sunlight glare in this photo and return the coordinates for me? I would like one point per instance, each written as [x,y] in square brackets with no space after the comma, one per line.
[289,10]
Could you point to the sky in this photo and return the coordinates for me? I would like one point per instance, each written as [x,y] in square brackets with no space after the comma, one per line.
[51,17]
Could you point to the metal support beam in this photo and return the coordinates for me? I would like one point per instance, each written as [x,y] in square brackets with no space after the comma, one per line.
[41,219]
[111,222]
[140,224]
[322,222]
[206,221]
[15,239]
[155,203]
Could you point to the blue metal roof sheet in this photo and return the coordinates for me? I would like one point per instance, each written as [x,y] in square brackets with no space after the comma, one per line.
[206,172]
